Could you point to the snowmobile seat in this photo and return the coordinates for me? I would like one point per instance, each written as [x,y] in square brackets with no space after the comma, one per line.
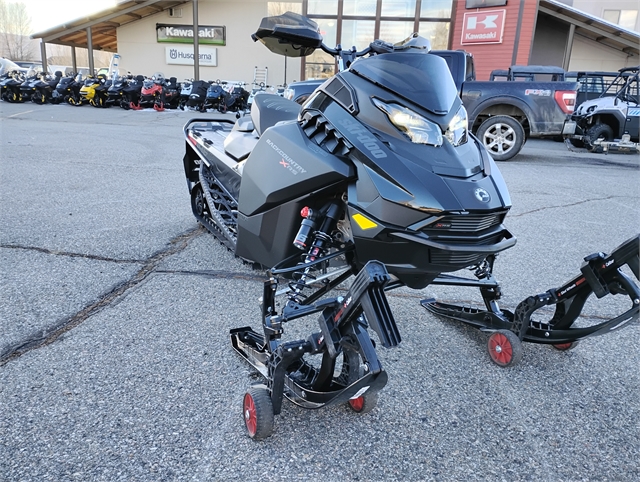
[241,140]
[269,109]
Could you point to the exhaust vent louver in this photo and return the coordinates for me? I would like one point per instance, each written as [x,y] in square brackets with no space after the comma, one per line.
[320,131]
[343,94]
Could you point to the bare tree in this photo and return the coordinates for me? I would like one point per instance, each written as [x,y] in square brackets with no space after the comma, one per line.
[15,28]
[278,8]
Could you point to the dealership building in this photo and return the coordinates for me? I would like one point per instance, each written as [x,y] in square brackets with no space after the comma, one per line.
[157,35]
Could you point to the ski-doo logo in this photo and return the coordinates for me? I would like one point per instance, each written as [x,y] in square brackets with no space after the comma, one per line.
[289,164]
[364,136]
[482,195]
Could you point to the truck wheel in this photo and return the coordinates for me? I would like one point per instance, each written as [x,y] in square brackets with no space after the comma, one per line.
[503,136]
[598,131]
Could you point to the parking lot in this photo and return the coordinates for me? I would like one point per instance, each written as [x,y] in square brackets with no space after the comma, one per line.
[115,310]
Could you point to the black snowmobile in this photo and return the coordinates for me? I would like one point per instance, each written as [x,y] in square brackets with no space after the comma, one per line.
[376,176]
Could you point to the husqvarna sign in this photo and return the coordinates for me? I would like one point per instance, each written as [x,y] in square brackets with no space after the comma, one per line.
[183,55]
[183,34]
[483,27]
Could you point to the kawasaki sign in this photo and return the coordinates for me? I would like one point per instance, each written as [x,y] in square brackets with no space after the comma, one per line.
[183,34]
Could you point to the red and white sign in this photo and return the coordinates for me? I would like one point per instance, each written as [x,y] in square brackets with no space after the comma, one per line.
[483,27]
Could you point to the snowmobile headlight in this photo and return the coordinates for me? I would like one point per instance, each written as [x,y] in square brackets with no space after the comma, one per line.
[416,127]
[457,131]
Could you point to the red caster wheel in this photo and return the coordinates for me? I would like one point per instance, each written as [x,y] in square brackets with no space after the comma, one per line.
[257,412]
[565,346]
[364,403]
[505,348]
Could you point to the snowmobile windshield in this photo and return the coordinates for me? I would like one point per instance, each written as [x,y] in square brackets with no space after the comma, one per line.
[7,66]
[421,78]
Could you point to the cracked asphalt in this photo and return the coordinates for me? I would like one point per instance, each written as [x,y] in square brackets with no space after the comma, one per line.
[115,309]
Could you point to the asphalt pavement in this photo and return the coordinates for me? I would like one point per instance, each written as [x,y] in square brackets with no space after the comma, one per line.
[115,309]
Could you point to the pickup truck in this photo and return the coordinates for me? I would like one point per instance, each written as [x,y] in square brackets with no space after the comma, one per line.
[502,114]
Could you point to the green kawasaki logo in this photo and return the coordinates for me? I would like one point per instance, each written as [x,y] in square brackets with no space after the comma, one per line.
[183,34]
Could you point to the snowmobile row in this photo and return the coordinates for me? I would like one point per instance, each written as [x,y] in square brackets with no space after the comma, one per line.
[126,91]
[221,96]
[374,183]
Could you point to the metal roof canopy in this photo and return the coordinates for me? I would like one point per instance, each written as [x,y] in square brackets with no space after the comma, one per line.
[98,31]
[104,24]
[593,28]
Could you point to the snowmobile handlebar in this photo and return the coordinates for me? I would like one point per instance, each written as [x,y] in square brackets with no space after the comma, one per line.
[347,56]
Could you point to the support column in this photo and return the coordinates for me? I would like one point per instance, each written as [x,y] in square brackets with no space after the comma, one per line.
[196,43]
[90,50]
[74,61]
[43,53]
[568,47]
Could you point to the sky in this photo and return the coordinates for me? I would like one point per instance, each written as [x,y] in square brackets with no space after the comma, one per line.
[51,13]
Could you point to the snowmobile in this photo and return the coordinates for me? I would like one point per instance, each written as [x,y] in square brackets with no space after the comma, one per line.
[115,92]
[46,87]
[131,93]
[215,96]
[94,91]
[375,179]
[10,87]
[235,100]
[170,95]
[68,89]
[151,94]
[198,95]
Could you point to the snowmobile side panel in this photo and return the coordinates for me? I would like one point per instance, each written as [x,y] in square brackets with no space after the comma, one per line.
[302,168]
[267,237]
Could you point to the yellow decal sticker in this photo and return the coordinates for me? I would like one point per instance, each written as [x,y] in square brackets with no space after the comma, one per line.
[363,222]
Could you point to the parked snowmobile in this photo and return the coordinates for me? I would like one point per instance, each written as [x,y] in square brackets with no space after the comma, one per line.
[10,87]
[198,95]
[116,89]
[215,96]
[131,93]
[28,87]
[236,99]
[69,89]
[185,92]
[45,88]
[151,94]
[377,177]
[170,94]
[94,91]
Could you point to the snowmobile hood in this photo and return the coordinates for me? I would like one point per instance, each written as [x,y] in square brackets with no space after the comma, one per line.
[420,78]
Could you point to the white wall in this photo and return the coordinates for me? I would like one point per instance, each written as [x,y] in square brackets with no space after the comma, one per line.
[597,7]
[142,54]
[587,55]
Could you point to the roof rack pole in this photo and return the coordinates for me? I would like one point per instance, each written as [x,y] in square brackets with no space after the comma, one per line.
[43,53]
[568,47]
[74,61]
[90,50]
[196,43]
